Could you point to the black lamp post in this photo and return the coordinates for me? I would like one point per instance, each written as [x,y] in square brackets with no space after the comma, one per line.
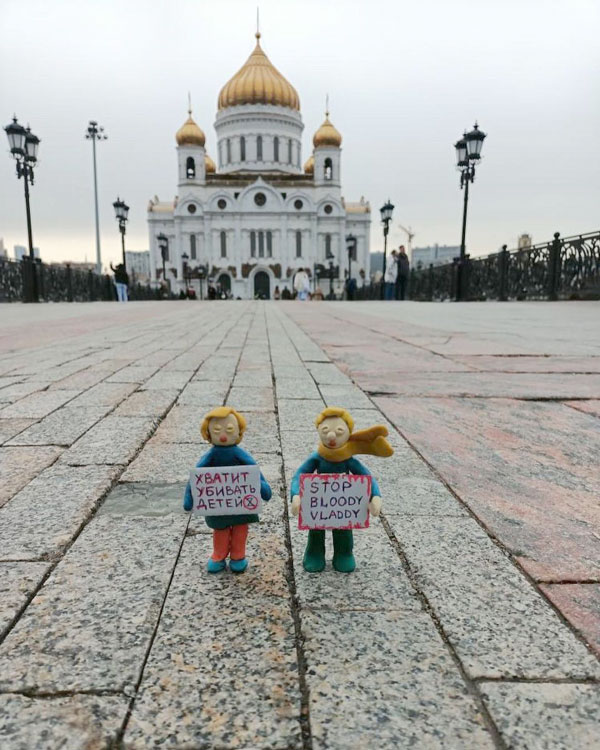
[351,247]
[121,211]
[468,152]
[386,216]
[330,279]
[202,271]
[95,133]
[185,257]
[24,147]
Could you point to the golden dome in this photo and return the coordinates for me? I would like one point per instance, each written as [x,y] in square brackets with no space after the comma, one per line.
[209,164]
[327,135]
[309,165]
[189,134]
[258,82]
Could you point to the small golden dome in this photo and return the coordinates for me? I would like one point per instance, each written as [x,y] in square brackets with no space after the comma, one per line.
[209,164]
[327,135]
[189,134]
[258,82]
[309,165]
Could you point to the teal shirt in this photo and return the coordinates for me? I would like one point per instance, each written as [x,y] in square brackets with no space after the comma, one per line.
[319,465]
[229,455]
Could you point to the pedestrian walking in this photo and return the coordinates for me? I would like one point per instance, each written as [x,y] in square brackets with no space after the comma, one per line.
[121,281]
[391,273]
[403,273]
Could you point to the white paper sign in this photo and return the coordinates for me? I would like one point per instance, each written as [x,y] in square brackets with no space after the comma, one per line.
[334,501]
[226,490]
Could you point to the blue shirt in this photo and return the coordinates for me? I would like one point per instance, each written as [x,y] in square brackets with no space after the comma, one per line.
[227,455]
[317,464]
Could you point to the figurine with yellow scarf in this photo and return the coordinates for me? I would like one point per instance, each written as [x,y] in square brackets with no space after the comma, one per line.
[338,445]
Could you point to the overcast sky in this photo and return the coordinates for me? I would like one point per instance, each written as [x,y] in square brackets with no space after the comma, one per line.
[404,79]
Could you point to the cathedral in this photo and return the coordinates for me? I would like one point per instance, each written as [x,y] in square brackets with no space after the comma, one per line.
[250,224]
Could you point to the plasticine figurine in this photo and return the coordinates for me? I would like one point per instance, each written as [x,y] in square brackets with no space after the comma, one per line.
[335,455]
[224,427]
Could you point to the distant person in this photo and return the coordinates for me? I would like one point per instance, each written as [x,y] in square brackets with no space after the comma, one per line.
[276,293]
[391,273]
[121,281]
[318,295]
[403,273]
[350,289]
[286,294]
[302,284]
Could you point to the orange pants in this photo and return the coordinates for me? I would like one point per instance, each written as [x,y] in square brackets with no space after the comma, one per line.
[230,541]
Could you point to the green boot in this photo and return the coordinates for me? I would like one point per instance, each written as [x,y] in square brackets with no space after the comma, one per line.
[314,554]
[343,559]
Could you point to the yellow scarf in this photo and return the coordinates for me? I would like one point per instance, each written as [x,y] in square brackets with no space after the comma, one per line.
[370,441]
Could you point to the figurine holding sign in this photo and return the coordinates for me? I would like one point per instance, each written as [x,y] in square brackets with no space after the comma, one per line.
[335,456]
[224,427]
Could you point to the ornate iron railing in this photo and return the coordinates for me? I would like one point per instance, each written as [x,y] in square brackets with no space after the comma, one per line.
[563,268]
[61,284]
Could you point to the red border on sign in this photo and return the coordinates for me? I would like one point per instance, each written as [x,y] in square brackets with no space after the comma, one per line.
[362,477]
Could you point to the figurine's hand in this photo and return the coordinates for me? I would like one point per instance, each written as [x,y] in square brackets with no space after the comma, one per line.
[296,505]
[375,505]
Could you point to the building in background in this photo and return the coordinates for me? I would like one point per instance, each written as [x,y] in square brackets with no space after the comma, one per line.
[423,257]
[3,250]
[524,241]
[20,251]
[259,217]
[138,266]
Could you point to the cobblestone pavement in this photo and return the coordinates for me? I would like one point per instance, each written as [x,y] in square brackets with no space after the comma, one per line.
[472,619]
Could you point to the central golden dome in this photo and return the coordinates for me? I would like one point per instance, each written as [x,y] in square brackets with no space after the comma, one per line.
[258,82]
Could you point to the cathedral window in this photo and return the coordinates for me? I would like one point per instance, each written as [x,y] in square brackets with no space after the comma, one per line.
[328,169]
[261,244]
[253,244]
[190,168]
[298,244]
[193,246]
[276,149]
[228,151]
[259,155]
[328,253]
[242,149]
[269,244]
[290,151]
[223,244]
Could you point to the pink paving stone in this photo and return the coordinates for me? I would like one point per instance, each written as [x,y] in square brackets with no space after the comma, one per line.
[528,470]
[580,604]
[589,407]
[524,363]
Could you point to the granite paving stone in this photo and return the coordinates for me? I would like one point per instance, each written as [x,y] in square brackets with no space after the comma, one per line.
[348,396]
[204,395]
[89,626]
[114,440]
[181,425]
[19,465]
[18,581]
[143,499]
[498,623]
[386,679]
[580,604]
[164,380]
[163,462]
[74,722]
[297,389]
[38,405]
[34,530]
[14,393]
[251,399]
[11,427]
[62,427]
[133,374]
[154,403]
[186,695]
[298,415]
[545,716]
[105,394]
[590,407]
[80,381]
[259,377]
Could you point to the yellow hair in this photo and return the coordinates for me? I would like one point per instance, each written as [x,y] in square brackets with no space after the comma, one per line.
[335,411]
[220,413]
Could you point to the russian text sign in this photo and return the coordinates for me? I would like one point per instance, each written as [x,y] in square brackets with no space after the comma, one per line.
[226,490]
[334,501]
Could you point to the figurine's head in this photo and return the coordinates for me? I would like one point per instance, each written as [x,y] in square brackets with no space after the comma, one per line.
[223,426]
[334,426]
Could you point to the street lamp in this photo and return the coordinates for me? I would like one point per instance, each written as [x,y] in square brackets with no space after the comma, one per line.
[121,211]
[468,152]
[96,133]
[351,247]
[330,279]
[202,271]
[386,216]
[185,257]
[24,147]
[163,245]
